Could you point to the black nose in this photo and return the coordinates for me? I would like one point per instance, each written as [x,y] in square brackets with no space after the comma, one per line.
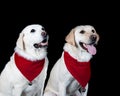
[44,34]
[93,38]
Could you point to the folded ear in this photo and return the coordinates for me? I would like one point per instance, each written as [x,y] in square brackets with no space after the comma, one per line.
[70,38]
[20,42]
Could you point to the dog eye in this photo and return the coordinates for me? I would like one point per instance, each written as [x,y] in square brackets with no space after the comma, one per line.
[33,30]
[43,29]
[93,31]
[82,31]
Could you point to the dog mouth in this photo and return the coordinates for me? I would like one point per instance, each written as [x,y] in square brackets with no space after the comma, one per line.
[89,47]
[44,43]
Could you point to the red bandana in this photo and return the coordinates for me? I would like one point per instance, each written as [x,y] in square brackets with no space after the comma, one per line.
[79,70]
[30,69]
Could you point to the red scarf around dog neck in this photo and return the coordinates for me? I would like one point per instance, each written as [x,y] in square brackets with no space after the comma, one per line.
[30,69]
[79,70]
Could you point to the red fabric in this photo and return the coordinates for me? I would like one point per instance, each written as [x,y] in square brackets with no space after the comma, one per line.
[30,69]
[79,70]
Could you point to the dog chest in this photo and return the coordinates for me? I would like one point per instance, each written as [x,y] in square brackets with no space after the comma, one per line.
[30,69]
[79,70]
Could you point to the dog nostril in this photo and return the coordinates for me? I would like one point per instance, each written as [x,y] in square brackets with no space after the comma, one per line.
[44,34]
[93,37]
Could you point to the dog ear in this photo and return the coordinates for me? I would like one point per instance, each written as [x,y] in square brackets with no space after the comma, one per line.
[20,42]
[98,37]
[70,38]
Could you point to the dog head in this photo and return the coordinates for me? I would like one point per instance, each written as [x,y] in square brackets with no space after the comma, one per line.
[33,36]
[83,37]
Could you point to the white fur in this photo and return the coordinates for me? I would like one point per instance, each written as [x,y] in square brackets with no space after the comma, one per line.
[12,82]
[61,82]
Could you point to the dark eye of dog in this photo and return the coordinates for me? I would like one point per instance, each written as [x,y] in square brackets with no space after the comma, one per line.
[33,30]
[93,31]
[82,31]
[43,29]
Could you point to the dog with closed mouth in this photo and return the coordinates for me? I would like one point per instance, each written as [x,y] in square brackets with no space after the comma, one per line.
[71,73]
[25,73]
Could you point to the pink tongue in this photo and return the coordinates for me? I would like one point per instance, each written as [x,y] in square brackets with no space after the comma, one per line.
[91,49]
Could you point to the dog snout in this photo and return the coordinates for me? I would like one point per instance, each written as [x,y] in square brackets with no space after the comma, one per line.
[44,34]
[93,38]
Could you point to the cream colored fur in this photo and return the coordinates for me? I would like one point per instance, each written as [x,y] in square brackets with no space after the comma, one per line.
[61,82]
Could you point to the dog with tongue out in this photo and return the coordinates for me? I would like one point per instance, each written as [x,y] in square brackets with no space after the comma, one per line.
[71,73]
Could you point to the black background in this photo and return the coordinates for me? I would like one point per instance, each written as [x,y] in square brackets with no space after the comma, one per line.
[58,19]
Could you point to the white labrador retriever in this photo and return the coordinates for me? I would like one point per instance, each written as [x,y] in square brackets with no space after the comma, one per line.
[25,73]
[71,73]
